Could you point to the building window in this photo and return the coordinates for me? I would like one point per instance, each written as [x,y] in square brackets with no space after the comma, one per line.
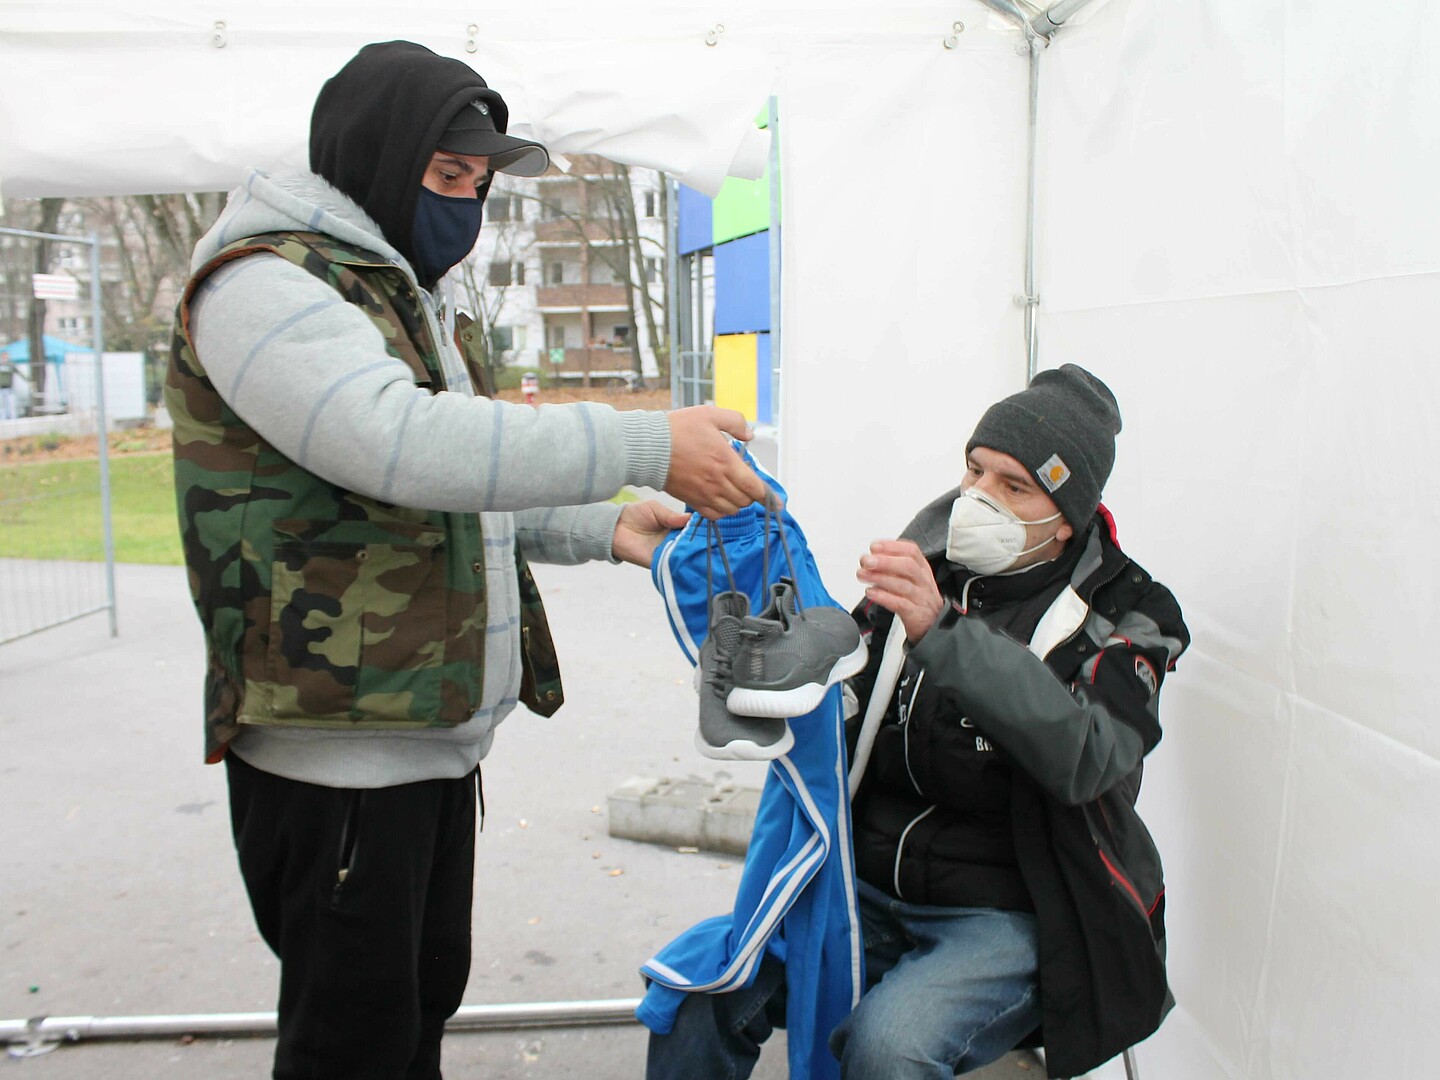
[502,339]
[652,269]
[621,338]
[554,336]
[652,204]
[505,207]
[500,274]
[555,273]
[519,273]
[521,337]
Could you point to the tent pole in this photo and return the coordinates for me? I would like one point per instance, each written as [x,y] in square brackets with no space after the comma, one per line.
[102,432]
[1030,300]
[1047,22]
[1038,27]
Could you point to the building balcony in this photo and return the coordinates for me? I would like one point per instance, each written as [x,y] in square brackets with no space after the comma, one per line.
[567,231]
[600,363]
[573,297]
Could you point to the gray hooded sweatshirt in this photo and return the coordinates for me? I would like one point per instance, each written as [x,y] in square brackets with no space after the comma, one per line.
[310,373]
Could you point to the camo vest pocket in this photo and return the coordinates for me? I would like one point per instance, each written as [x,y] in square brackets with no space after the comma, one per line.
[356,616]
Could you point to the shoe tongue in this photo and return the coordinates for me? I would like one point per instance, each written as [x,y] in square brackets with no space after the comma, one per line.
[732,603]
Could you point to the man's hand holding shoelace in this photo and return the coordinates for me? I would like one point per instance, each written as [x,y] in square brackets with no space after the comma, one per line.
[897,577]
[705,471]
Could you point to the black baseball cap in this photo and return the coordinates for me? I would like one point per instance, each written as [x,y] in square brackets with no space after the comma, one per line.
[474,131]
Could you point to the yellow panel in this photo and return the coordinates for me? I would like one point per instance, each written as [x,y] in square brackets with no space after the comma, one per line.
[735,374]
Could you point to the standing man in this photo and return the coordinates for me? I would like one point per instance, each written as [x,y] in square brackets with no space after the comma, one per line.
[1008,889]
[355,523]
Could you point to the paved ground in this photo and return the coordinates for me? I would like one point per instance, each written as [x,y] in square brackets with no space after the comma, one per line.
[119,894]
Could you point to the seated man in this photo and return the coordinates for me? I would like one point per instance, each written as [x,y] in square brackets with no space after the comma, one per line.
[1007,886]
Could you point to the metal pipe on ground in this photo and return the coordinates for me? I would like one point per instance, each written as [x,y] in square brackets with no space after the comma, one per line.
[52,1029]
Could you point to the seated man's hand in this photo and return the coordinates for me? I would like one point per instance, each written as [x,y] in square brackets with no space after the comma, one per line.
[640,529]
[705,471]
[898,578]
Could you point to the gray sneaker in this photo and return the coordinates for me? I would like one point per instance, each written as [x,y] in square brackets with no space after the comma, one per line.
[723,735]
[787,657]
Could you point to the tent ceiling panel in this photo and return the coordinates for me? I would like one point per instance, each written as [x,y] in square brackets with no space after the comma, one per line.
[138,96]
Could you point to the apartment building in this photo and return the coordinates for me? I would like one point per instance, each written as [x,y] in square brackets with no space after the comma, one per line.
[568,274]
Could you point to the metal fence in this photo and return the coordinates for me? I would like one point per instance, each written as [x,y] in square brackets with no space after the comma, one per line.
[694,378]
[57,551]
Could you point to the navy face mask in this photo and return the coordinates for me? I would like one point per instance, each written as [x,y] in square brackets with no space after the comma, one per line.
[445,230]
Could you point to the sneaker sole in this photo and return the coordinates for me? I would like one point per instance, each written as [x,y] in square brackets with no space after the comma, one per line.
[778,704]
[744,750]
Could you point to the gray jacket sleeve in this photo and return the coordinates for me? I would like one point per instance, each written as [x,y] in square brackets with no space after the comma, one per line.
[568,535]
[1075,744]
[310,373]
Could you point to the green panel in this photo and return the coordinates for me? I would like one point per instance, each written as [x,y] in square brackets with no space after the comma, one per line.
[741,208]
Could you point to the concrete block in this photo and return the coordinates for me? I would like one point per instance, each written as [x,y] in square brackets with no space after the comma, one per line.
[684,813]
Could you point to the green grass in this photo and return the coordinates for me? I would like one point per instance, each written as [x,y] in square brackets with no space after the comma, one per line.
[51,510]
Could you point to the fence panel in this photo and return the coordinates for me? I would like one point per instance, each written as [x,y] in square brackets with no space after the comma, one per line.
[56,546]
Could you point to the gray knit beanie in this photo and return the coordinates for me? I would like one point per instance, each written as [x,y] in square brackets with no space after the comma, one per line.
[1062,428]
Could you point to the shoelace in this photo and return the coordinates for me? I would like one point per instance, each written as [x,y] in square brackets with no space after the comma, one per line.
[778,516]
[713,537]
[719,676]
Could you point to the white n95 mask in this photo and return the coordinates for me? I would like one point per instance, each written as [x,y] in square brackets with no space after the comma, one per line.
[986,536]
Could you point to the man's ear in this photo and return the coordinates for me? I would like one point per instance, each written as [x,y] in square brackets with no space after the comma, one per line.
[1064,532]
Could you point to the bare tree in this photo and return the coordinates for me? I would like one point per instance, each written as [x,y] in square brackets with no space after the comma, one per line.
[154,236]
[485,300]
[144,265]
[35,325]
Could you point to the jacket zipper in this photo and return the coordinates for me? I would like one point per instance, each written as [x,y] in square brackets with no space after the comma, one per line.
[900,848]
[1124,883]
[909,709]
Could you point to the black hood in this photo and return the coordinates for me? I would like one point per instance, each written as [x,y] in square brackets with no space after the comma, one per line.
[376,123]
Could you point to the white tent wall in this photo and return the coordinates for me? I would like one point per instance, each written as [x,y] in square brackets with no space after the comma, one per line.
[1230,237]
[903,247]
[1235,231]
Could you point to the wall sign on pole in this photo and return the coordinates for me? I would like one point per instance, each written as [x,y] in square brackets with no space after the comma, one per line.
[55,287]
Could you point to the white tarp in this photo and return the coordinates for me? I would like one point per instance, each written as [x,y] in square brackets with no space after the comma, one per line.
[1236,231]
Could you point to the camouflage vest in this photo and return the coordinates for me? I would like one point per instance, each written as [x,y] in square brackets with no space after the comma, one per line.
[322,607]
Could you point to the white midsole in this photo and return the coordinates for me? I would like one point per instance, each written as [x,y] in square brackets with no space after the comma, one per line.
[743,701]
[740,750]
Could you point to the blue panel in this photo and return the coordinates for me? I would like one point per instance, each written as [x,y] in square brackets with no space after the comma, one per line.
[742,285]
[695,229]
[764,408]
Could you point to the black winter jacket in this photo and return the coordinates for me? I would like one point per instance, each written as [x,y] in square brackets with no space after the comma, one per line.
[1068,734]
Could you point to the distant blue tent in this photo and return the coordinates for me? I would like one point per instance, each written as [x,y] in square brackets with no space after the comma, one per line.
[55,350]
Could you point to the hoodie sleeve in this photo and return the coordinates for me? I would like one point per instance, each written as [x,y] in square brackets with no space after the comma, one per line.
[567,535]
[310,373]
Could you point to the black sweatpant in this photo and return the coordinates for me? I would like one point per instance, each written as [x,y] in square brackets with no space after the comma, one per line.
[364,895]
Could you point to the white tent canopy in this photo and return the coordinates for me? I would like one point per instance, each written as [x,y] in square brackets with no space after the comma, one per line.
[1235,231]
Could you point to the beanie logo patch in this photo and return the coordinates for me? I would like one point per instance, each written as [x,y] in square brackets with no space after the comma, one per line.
[1053,473]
